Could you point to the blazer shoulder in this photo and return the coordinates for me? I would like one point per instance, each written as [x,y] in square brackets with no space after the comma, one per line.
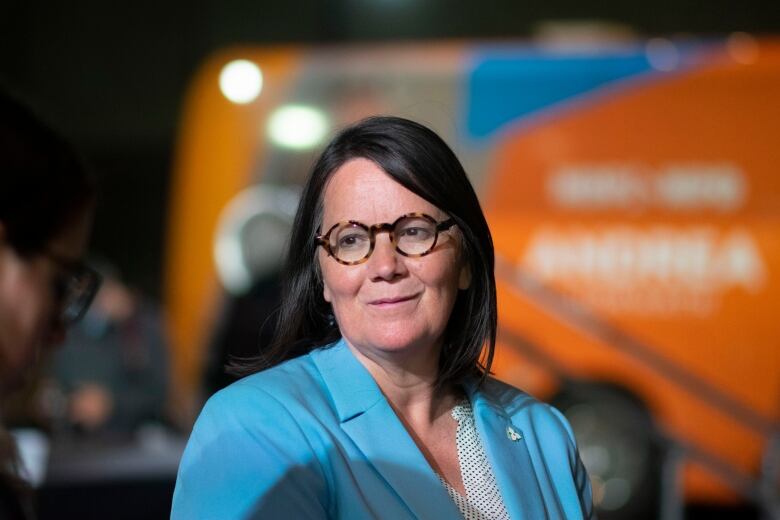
[510,399]
[291,393]
[288,383]
[526,410]
[258,439]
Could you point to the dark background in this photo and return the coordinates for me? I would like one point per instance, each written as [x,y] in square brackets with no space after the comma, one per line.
[111,75]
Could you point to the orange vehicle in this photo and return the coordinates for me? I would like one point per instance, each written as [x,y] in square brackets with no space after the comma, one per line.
[634,202]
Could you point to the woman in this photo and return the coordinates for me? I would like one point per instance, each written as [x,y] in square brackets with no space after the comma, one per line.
[376,404]
[46,201]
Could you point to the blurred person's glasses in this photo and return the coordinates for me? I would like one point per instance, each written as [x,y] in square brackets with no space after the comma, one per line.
[352,242]
[75,287]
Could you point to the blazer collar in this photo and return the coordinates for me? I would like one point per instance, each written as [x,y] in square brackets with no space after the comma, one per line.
[368,419]
[505,446]
[351,387]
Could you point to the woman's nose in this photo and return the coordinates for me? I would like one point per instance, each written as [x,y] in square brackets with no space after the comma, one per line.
[385,263]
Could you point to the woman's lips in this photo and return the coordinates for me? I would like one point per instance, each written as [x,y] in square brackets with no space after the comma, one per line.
[390,302]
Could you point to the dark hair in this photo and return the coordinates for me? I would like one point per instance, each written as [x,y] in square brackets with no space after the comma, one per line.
[43,184]
[421,161]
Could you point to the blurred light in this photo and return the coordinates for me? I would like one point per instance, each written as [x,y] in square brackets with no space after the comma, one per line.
[662,54]
[581,36]
[616,493]
[596,458]
[297,126]
[241,81]
[742,47]
[252,235]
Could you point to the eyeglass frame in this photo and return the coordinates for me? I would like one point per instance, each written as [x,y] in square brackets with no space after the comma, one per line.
[324,239]
[75,269]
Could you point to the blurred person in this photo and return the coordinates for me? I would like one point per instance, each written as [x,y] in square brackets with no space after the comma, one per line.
[374,400]
[113,368]
[46,205]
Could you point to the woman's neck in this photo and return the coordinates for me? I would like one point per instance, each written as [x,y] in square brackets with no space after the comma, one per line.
[409,383]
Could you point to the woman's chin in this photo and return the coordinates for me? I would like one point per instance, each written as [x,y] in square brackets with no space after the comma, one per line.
[392,343]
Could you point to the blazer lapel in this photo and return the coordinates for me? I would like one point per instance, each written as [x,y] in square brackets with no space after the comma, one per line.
[509,458]
[369,420]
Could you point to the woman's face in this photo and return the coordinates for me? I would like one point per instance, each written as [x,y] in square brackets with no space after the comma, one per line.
[29,306]
[389,304]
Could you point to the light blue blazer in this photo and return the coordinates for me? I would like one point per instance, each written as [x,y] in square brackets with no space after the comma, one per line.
[315,438]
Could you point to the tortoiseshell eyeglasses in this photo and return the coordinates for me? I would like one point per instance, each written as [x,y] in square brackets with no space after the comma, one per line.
[413,235]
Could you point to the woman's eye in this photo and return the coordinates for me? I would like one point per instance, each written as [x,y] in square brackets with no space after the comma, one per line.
[351,241]
[417,233]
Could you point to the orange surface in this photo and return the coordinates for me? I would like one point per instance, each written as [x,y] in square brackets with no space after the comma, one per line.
[719,324]
[724,112]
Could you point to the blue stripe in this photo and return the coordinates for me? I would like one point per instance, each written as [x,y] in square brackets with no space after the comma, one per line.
[505,85]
